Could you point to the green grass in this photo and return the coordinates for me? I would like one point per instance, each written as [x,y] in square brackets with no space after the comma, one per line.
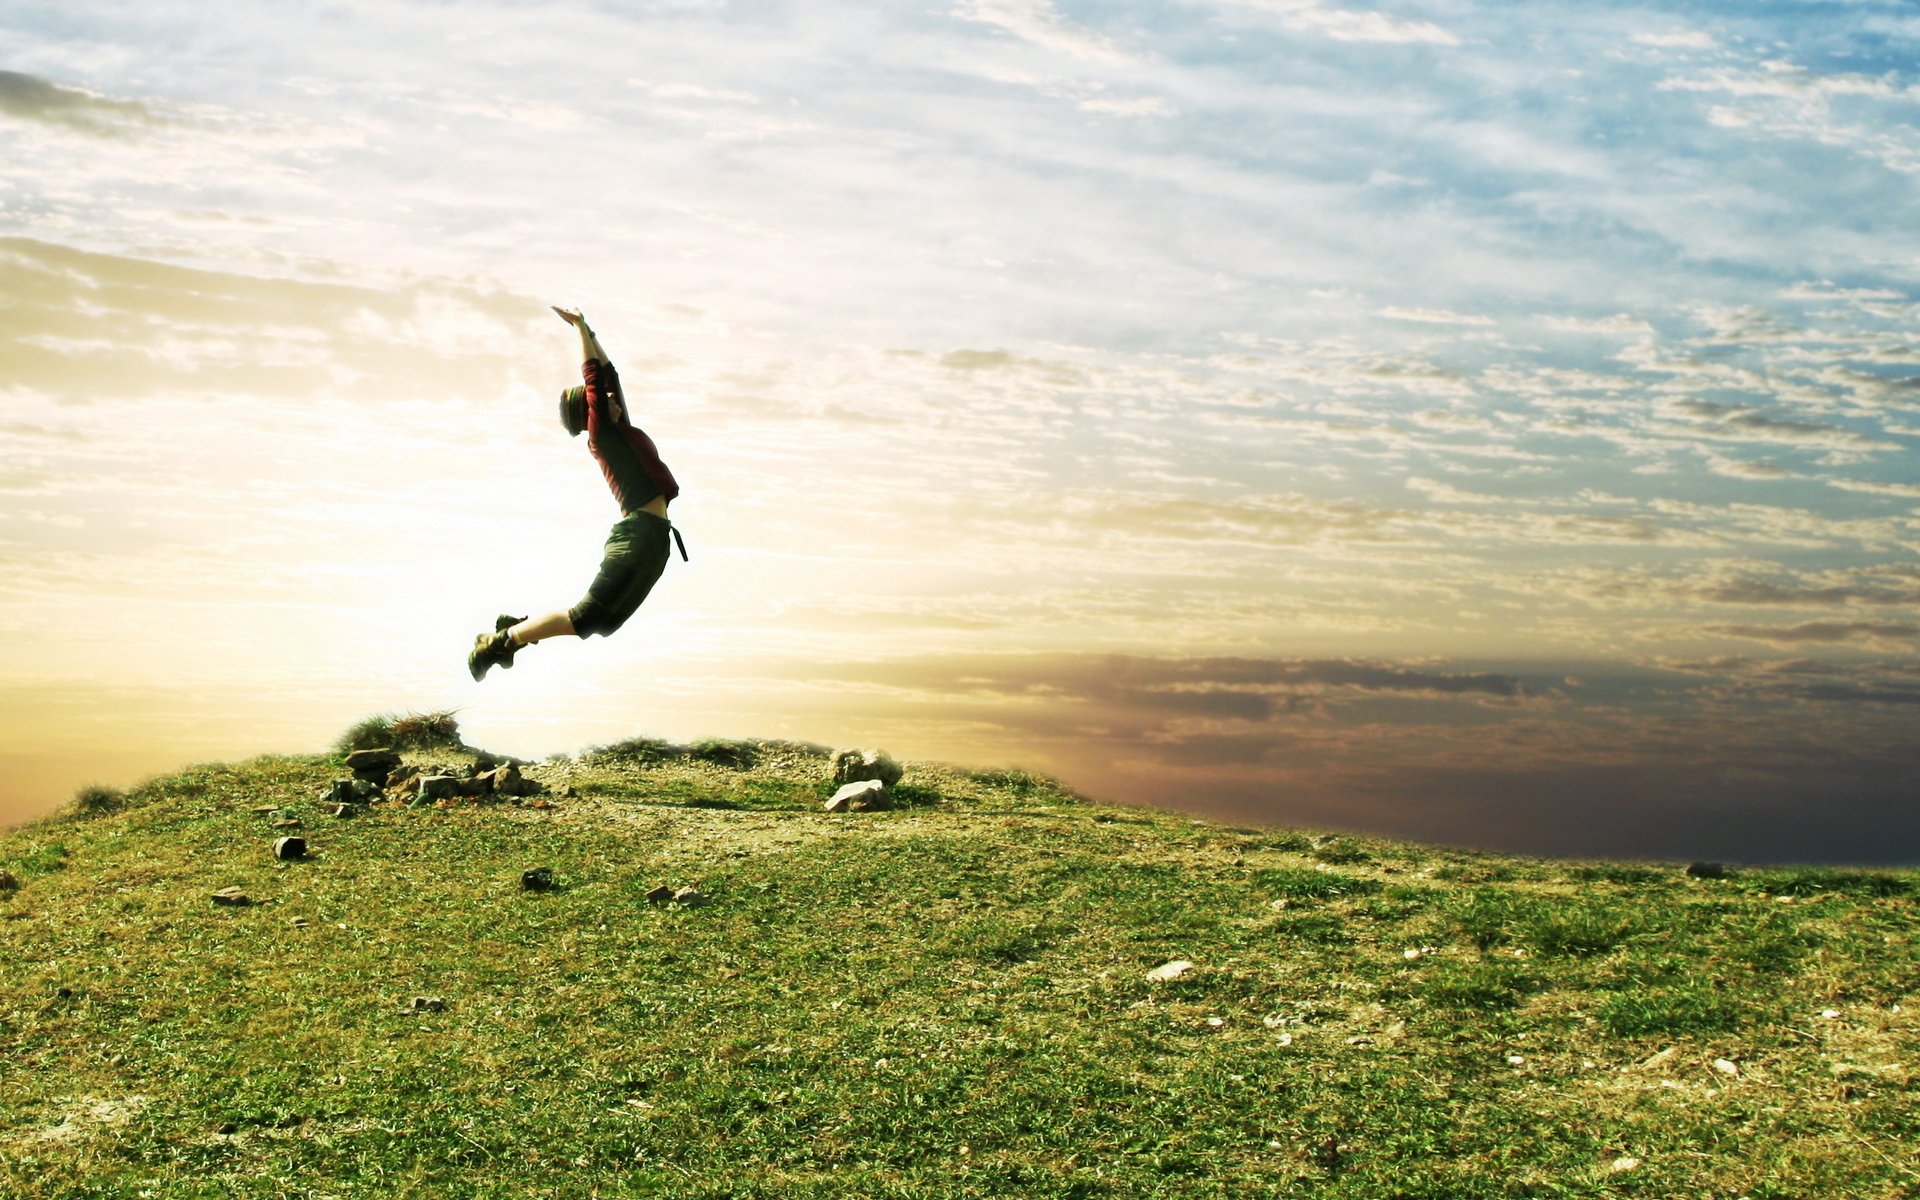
[946,1000]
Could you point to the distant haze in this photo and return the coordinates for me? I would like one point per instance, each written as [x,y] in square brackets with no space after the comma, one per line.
[1488,424]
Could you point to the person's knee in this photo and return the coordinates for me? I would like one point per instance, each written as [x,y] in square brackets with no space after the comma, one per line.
[590,617]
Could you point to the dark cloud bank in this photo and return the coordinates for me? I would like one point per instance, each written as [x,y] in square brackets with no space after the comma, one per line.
[1737,760]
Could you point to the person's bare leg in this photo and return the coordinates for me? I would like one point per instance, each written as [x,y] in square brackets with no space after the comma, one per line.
[539,629]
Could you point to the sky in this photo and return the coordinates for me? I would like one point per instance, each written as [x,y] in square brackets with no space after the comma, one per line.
[1492,424]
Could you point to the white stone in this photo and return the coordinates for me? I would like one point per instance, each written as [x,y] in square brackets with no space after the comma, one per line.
[1166,972]
[866,795]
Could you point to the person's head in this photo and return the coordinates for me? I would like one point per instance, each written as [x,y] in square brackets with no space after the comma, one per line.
[573,409]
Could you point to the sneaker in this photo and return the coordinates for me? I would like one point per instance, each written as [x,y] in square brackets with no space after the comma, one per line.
[494,649]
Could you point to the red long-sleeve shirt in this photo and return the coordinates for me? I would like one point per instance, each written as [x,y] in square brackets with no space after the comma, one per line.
[626,455]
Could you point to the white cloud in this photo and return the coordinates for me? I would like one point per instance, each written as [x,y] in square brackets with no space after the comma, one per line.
[1688,39]
[1038,22]
[1434,316]
[1352,25]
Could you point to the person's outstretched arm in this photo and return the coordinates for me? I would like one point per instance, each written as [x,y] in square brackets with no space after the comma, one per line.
[589,344]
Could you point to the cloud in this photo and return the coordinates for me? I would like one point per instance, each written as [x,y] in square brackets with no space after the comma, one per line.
[1039,23]
[1742,423]
[1688,39]
[1352,25]
[1434,316]
[1823,632]
[31,98]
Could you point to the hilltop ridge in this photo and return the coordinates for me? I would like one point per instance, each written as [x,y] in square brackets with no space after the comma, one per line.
[979,993]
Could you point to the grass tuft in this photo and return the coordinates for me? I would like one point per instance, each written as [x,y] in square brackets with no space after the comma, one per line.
[94,800]
[409,731]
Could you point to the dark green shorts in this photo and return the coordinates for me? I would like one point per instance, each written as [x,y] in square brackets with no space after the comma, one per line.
[636,553]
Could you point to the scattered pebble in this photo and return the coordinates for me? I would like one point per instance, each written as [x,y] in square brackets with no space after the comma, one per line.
[1515,1060]
[1215,1022]
[1625,1163]
[1169,971]
[690,897]
[660,895]
[231,896]
[1831,1013]
[426,1004]
[537,879]
[1727,1066]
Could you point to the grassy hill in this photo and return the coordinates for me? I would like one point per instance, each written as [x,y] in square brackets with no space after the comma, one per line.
[950,999]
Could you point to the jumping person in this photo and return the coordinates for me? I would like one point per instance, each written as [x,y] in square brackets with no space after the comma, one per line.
[636,550]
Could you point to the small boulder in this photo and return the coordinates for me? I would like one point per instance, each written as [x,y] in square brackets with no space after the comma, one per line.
[232,896]
[340,791]
[851,766]
[289,848]
[1709,870]
[537,879]
[1167,972]
[364,791]
[373,764]
[867,795]
[438,787]
[660,895]
[508,781]
[401,776]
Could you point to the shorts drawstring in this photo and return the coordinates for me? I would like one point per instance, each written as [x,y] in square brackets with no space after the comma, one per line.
[678,541]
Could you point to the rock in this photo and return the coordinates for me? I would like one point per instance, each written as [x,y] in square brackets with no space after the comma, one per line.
[867,795]
[232,896]
[401,776]
[373,764]
[660,895]
[851,766]
[265,810]
[8,883]
[365,790]
[427,1004]
[438,787]
[1167,972]
[690,897]
[537,879]
[475,787]
[1727,1066]
[289,823]
[341,810]
[507,781]
[1625,1162]
[340,791]
[483,764]
[1709,870]
[290,848]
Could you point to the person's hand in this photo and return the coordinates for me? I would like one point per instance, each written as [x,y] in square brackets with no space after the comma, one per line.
[570,315]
